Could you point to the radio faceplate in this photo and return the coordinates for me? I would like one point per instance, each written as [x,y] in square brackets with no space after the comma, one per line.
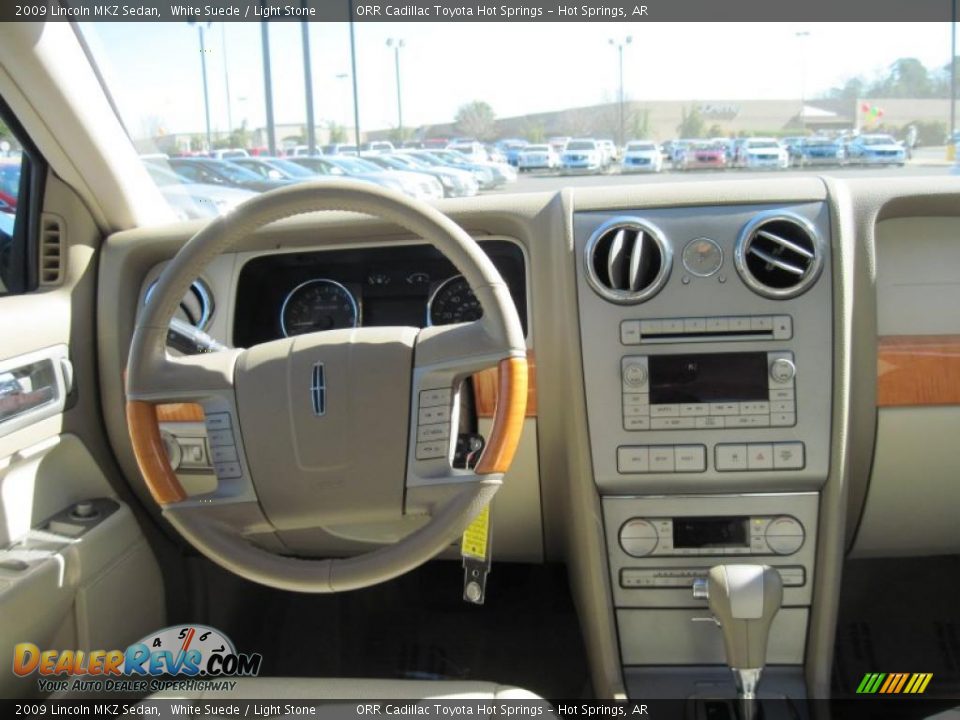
[707,386]
[708,391]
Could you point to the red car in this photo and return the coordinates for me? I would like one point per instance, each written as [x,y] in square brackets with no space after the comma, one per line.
[703,155]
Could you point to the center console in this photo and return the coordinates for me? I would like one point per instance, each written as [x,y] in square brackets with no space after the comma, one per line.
[707,351]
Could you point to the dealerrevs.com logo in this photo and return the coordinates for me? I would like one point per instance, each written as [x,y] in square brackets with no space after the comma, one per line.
[181,657]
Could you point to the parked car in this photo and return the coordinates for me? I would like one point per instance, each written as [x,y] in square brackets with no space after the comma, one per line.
[416,185]
[703,154]
[221,172]
[378,146]
[792,145]
[582,155]
[229,153]
[558,142]
[456,183]
[502,172]
[447,158]
[192,201]
[760,153]
[511,149]
[678,149]
[609,150]
[538,157]
[472,150]
[273,168]
[339,148]
[641,156]
[819,151]
[875,149]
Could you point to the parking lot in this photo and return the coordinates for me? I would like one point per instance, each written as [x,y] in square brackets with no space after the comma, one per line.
[928,162]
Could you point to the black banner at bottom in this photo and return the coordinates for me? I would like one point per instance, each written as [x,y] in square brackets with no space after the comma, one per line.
[873,708]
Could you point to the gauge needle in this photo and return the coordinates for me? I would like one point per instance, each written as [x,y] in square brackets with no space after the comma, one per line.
[185,646]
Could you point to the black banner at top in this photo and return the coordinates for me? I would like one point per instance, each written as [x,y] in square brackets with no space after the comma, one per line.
[853,11]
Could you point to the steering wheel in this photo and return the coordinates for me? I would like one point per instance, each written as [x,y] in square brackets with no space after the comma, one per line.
[352,427]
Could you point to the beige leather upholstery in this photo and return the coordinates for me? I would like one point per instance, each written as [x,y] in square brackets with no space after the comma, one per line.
[354,689]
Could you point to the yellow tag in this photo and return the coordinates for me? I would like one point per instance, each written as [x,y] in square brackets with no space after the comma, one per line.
[476,535]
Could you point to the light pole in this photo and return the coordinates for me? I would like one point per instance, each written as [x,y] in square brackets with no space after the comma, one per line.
[308,85]
[802,36]
[396,44]
[346,124]
[203,72]
[620,44]
[226,76]
[268,88]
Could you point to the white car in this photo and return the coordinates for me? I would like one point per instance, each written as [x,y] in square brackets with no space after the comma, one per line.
[759,153]
[609,151]
[641,156]
[582,155]
[229,153]
[471,150]
[538,157]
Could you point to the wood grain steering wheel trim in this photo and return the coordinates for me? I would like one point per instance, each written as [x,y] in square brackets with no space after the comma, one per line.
[151,455]
[508,417]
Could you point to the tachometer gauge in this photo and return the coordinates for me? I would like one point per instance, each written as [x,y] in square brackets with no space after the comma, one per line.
[453,302]
[318,305]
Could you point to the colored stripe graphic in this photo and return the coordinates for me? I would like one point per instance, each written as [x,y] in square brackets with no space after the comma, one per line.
[894,683]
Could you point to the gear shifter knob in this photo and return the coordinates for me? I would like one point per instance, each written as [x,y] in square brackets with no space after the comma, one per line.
[744,599]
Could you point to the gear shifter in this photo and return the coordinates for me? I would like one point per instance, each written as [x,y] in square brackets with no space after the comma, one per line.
[744,599]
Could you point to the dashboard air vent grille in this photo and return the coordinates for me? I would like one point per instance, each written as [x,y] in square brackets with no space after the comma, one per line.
[51,250]
[779,255]
[627,260]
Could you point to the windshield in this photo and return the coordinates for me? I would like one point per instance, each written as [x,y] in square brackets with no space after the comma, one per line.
[192,90]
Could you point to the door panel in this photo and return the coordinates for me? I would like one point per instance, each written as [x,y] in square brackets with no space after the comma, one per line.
[76,571]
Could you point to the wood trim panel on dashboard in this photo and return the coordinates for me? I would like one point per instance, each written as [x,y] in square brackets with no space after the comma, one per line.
[918,370]
[485,389]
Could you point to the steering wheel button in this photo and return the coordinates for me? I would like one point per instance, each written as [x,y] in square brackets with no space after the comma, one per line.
[223,454]
[431,449]
[228,470]
[433,415]
[220,437]
[218,421]
[440,431]
[433,398]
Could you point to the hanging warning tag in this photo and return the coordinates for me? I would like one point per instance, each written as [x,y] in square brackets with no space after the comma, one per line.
[475,549]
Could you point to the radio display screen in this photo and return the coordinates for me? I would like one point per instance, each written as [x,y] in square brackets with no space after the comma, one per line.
[704,532]
[724,377]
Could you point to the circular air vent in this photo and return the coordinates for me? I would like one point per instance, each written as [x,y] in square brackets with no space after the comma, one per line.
[627,260]
[196,308]
[779,255]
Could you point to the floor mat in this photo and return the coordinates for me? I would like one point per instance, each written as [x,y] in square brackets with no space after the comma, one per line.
[417,626]
[900,616]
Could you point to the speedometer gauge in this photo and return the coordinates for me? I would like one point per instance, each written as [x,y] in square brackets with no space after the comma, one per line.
[318,305]
[453,302]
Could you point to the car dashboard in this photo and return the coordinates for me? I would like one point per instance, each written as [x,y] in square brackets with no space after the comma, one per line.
[707,386]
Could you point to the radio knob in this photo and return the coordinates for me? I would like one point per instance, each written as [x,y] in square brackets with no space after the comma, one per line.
[785,535]
[635,374]
[782,370]
[638,537]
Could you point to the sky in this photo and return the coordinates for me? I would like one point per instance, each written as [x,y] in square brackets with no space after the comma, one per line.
[154,69]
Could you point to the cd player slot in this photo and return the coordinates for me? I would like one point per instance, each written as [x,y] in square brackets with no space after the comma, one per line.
[706,329]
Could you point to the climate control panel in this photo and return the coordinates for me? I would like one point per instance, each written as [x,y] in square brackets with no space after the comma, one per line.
[702,536]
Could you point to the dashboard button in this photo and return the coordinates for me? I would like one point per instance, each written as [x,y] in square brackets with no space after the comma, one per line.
[636,410]
[781,394]
[220,437]
[633,460]
[638,537]
[724,408]
[694,325]
[636,423]
[694,410]
[739,324]
[651,327]
[713,422]
[223,454]
[690,458]
[788,456]
[719,324]
[760,456]
[431,449]
[762,322]
[218,421]
[748,421]
[783,419]
[673,327]
[731,457]
[754,408]
[782,406]
[228,470]
[433,398]
[630,332]
[439,431]
[636,399]
[782,327]
[430,415]
[663,411]
[661,459]
[672,424]
[635,376]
